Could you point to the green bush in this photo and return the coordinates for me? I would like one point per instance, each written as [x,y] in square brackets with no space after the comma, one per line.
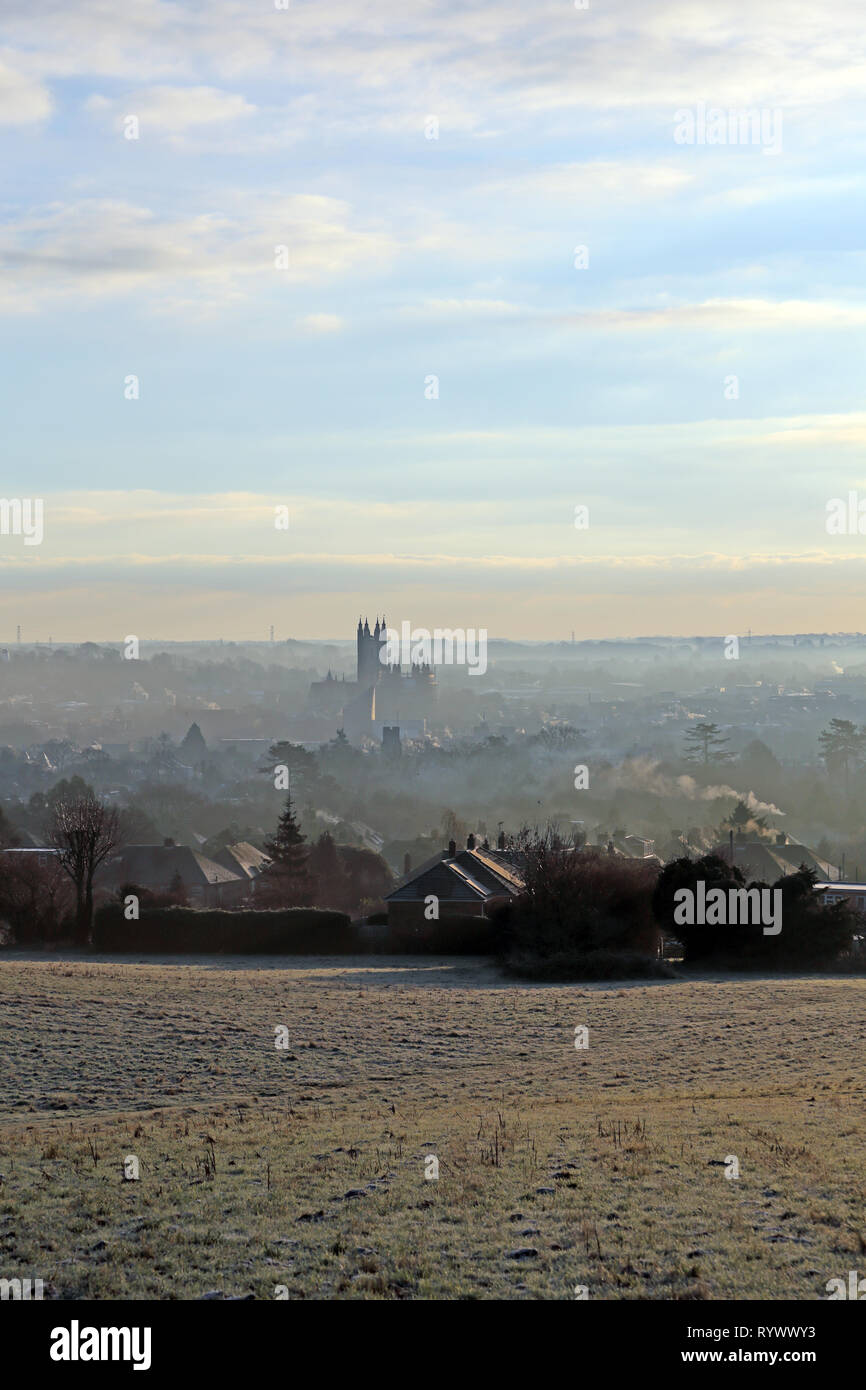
[290,931]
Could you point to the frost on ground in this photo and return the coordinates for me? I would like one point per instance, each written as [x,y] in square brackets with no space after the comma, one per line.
[304,1171]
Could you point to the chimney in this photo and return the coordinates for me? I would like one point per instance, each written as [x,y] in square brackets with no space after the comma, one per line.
[168,843]
[470,841]
[500,843]
[407,863]
[452,848]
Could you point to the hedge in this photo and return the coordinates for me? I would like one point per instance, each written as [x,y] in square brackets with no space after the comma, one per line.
[300,930]
[462,934]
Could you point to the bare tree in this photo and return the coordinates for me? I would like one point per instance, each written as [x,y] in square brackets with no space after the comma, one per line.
[85,831]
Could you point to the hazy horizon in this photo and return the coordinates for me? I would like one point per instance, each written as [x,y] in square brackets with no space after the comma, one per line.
[430,281]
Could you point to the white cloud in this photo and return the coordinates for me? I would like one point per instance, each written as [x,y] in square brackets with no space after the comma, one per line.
[173,110]
[725,315]
[23,100]
[444,309]
[321,323]
[597,179]
[97,248]
[385,62]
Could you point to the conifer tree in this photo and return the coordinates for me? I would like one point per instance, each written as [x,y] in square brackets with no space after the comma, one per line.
[287,881]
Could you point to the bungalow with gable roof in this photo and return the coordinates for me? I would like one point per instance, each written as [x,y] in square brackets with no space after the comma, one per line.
[467,882]
[160,867]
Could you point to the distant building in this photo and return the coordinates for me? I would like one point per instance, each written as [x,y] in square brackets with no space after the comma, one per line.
[767,861]
[463,882]
[160,867]
[380,695]
[854,894]
[243,859]
[31,854]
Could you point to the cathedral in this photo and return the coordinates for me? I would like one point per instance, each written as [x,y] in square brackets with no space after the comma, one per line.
[381,695]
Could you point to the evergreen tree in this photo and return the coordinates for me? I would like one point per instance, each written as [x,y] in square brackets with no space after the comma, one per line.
[842,744]
[287,881]
[193,748]
[705,743]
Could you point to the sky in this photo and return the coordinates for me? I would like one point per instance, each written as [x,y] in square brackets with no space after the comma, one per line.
[425,279]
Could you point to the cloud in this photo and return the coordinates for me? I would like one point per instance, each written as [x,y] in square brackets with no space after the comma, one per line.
[321,323]
[435,310]
[23,100]
[173,110]
[384,63]
[598,180]
[724,315]
[98,248]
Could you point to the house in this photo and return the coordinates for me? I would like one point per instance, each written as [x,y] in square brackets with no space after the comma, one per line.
[30,854]
[162,868]
[243,859]
[466,882]
[834,892]
[766,861]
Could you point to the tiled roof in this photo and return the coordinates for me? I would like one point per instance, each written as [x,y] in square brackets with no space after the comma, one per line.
[156,865]
[469,874]
[242,858]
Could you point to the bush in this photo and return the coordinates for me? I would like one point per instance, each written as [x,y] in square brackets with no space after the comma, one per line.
[814,935]
[458,934]
[36,901]
[590,965]
[700,942]
[290,931]
[579,902]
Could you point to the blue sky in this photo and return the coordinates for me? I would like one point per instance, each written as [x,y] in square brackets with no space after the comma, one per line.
[408,257]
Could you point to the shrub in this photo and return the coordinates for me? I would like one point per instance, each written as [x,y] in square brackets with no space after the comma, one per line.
[301,931]
[590,965]
[699,941]
[458,934]
[577,902]
[813,934]
[36,900]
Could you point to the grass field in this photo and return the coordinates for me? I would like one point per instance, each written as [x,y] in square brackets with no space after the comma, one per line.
[301,1172]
